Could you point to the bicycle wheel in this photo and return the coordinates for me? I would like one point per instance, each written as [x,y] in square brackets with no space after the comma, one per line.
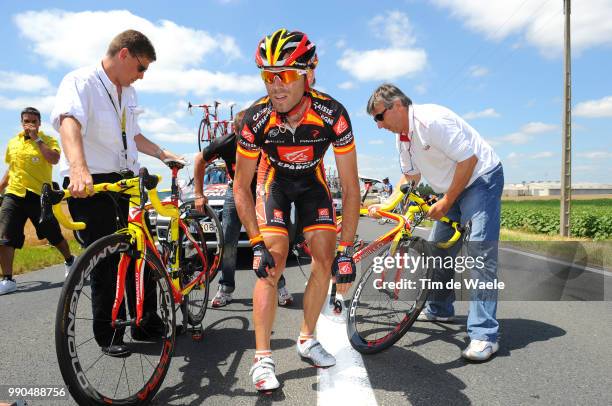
[192,267]
[92,376]
[203,134]
[388,300]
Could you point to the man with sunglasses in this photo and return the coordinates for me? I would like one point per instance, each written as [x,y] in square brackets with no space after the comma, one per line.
[96,114]
[292,127]
[455,160]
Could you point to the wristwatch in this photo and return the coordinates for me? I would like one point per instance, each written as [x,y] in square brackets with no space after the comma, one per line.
[39,140]
[346,250]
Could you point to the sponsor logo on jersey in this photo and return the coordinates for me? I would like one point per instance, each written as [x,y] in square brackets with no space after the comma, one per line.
[296,153]
[278,214]
[315,133]
[324,213]
[247,134]
[340,126]
[345,268]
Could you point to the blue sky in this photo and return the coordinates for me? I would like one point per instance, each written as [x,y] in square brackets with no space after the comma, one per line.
[499,64]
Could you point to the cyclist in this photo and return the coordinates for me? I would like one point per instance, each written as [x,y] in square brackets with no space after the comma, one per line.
[225,148]
[292,128]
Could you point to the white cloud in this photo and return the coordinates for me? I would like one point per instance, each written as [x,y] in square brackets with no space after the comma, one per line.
[538,128]
[541,155]
[594,108]
[163,128]
[396,60]
[526,133]
[478,71]
[199,82]
[514,156]
[376,142]
[539,23]
[383,64]
[595,155]
[347,85]
[43,103]
[52,33]
[23,82]
[341,44]
[393,27]
[420,89]
[490,112]
[516,138]
[180,50]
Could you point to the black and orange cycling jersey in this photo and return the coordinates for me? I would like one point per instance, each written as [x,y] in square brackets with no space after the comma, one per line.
[296,153]
[291,165]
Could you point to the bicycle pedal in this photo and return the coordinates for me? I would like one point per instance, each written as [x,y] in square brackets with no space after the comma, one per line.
[197,334]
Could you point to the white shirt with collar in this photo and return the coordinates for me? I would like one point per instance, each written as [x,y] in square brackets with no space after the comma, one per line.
[438,139]
[84,95]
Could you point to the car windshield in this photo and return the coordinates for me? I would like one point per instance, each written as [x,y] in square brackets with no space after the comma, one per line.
[163,194]
[215,176]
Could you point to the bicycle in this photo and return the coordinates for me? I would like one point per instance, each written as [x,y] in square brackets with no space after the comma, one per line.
[207,130]
[179,272]
[388,299]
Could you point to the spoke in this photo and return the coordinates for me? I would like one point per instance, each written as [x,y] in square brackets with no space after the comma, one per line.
[95,362]
[85,342]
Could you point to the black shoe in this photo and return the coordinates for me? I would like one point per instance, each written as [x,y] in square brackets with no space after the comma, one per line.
[117,350]
[148,332]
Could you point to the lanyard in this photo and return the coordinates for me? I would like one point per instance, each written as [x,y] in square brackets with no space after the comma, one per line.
[122,117]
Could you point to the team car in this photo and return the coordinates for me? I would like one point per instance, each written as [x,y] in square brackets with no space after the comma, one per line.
[216,182]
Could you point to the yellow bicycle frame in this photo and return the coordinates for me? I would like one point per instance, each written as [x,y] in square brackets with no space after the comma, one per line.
[137,229]
[420,207]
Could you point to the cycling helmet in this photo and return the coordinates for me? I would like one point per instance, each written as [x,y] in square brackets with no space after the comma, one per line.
[294,46]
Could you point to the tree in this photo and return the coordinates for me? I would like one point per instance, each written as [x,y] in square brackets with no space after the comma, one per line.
[425,190]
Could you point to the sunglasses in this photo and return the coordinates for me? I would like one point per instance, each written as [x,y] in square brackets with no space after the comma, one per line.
[141,67]
[286,76]
[380,116]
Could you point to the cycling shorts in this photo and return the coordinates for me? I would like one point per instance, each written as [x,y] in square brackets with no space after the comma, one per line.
[309,193]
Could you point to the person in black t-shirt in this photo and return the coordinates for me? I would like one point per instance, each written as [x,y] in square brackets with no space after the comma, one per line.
[225,148]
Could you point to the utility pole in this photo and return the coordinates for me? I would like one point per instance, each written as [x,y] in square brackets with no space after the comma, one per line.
[566,154]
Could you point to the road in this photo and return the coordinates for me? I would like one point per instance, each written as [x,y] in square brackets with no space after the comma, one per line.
[551,352]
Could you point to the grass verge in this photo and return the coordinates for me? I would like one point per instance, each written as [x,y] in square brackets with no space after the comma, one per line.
[33,258]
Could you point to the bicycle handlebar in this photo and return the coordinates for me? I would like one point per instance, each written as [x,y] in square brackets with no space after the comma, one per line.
[51,199]
[422,206]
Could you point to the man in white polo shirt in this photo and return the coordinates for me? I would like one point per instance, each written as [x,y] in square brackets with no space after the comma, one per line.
[96,113]
[455,160]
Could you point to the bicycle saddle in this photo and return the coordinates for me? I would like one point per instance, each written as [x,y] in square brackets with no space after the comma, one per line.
[175,163]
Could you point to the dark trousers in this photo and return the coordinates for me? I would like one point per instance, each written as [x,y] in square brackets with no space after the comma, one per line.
[103,218]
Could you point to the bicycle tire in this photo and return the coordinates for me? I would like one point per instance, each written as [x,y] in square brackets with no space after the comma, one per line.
[82,363]
[203,132]
[191,268]
[380,315]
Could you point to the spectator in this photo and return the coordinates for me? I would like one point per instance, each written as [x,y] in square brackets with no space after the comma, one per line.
[29,156]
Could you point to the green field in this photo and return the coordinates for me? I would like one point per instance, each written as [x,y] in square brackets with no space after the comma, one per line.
[590,219]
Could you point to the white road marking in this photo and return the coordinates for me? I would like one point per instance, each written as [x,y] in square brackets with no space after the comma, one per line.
[556,261]
[347,382]
[543,258]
